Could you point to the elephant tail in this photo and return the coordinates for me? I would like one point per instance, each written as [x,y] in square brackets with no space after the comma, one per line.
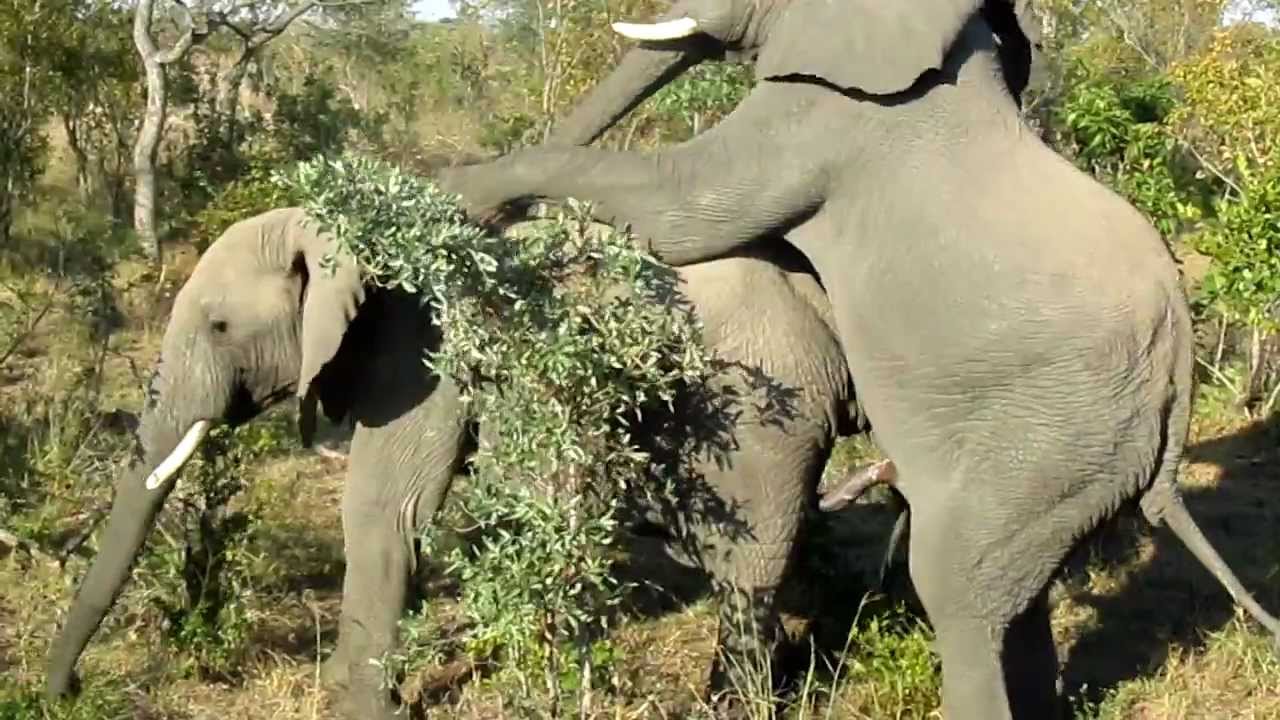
[1173,512]
[1162,504]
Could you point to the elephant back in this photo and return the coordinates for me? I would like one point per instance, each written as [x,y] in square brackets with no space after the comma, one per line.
[764,311]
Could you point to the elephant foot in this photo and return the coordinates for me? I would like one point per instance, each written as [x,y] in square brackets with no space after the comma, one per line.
[732,706]
[334,671]
[61,687]
[742,682]
[361,689]
[361,707]
[740,693]
[360,699]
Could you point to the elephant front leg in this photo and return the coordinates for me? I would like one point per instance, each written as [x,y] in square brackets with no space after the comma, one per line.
[400,473]
[374,596]
[747,638]
[684,206]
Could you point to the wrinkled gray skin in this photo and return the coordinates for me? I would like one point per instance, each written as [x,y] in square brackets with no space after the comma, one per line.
[258,322]
[1017,332]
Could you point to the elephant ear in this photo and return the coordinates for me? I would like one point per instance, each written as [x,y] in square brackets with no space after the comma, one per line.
[333,294]
[1017,26]
[877,47]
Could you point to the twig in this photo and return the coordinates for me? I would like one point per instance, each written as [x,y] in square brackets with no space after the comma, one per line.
[79,538]
[1222,342]
[1271,400]
[28,332]
[1220,377]
[1208,165]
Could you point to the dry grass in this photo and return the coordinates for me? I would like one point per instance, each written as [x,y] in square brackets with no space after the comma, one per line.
[1144,632]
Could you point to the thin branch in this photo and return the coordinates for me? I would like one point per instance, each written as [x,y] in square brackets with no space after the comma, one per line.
[28,331]
[1208,165]
[276,26]
[1226,381]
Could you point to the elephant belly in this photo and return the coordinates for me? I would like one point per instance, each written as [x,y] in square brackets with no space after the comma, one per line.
[1029,370]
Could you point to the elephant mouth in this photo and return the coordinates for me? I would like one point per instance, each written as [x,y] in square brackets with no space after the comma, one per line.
[244,407]
[241,409]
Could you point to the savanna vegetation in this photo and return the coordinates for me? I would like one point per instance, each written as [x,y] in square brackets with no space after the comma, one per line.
[132,132]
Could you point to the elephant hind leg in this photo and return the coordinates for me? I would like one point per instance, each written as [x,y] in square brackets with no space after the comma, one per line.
[998,656]
[1030,662]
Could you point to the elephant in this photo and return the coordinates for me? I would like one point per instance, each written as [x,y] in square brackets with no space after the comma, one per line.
[1017,332]
[259,321]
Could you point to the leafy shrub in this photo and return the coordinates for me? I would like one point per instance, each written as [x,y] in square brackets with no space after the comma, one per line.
[230,161]
[892,654]
[244,197]
[559,339]
[316,120]
[1243,282]
[506,131]
[203,570]
[702,96]
[1116,131]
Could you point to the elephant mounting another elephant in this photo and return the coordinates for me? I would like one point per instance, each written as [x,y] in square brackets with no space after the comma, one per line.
[259,321]
[1017,332]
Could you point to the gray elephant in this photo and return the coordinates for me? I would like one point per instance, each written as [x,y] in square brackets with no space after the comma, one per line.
[259,321]
[1017,332]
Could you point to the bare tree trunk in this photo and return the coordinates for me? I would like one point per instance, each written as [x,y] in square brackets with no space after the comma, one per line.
[148,142]
[227,102]
[153,61]
[6,211]
[84,177]
[144,159]
[17,130]
[1255,381]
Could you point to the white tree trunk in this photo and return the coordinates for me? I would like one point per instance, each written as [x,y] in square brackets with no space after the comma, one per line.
[145,150]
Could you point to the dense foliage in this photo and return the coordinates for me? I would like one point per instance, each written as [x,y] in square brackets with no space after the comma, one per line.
[559,337]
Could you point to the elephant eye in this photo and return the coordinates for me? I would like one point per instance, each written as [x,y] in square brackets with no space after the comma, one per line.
[219,326]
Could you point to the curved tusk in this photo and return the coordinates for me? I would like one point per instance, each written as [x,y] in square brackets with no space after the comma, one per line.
[180,455]
[666,30]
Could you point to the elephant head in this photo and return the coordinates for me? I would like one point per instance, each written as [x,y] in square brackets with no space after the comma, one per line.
[260,317]
[867,46]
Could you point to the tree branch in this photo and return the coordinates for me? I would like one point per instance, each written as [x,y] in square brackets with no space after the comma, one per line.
[1204,163]
[142,21]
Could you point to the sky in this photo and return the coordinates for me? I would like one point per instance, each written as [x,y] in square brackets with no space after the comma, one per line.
[432,9]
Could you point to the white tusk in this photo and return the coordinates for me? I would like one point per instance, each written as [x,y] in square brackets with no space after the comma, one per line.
[180,455]
[666,30]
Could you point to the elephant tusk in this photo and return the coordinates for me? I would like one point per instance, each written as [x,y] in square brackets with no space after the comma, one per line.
[666,30]
[180,455]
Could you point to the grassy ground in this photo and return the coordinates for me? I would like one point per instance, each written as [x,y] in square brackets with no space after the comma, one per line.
[1143,631]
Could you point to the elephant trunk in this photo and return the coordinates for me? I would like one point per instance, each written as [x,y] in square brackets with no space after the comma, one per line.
[140,492]
[133,511]
[643,71]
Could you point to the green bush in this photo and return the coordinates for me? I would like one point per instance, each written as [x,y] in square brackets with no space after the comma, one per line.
[1243,283]
[559,339]
[244,197]
[1115,130]
[702,96]
[202,570]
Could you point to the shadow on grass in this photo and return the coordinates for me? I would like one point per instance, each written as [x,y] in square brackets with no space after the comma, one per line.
[827,591]
[1165,598]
